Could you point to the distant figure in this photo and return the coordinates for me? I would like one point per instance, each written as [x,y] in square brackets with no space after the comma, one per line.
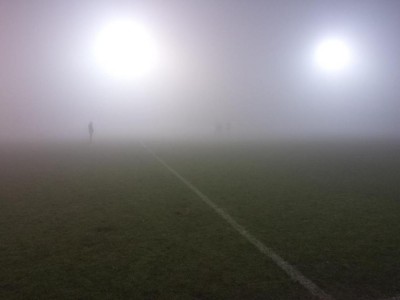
[91,131]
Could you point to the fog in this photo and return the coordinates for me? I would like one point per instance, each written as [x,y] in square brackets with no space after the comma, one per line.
[231,69]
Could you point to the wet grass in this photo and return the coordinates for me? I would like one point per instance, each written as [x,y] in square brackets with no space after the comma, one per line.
[109,222]
[330,209]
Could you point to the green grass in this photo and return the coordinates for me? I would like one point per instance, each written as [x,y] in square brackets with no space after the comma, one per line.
[109,222]
[113,224]
[331,210]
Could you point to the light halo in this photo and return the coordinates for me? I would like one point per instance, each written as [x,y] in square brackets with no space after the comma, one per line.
[333,54]
[126,50]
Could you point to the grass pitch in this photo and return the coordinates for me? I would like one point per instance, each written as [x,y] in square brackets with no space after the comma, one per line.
[109,222]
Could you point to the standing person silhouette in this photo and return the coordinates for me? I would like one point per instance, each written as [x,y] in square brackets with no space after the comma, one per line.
[91,131]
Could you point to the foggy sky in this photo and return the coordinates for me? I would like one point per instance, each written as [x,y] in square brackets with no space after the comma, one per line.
[244,62]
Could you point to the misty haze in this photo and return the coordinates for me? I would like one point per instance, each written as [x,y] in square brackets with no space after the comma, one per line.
[199,149]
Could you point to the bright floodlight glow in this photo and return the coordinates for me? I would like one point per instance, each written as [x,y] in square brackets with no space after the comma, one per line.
[333,55]
[126,50]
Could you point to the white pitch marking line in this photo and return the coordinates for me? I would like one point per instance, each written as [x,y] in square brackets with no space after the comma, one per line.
[290,270]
